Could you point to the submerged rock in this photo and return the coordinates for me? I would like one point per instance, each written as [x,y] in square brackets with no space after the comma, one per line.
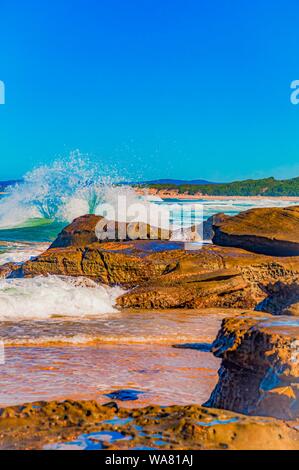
[86,424]
[271,231]
[125,395]
[259,374]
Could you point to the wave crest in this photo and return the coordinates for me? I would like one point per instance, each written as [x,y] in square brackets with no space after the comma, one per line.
[61,191]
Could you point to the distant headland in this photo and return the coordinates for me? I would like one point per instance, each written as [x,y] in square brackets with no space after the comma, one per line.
[266,187]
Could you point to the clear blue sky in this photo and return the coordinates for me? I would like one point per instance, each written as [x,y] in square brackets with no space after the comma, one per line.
[163,88]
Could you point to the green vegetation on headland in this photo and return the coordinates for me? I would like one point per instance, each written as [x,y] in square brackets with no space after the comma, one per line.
[262,187]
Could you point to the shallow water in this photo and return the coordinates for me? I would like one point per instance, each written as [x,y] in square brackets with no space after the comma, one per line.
[18,252]
[131,351]
[165,375]
[143,327]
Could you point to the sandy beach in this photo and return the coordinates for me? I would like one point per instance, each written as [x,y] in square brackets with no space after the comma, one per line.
[174,194]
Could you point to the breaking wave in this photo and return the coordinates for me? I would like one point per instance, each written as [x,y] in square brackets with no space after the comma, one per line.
[61,191]
[69,188]
[45,297]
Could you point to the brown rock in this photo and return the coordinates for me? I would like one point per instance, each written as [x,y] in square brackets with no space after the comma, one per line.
[207,225]
[8,269]
[270,231]
[93,228]
[126,264]
[212,277]
[259,374]
[80,232]
[165,275]
[283,299]
[32,426]
[218,289]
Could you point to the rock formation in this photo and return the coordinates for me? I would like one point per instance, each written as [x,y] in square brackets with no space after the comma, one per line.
[283,299]
[163,274]
[32,426]
[94,228]
[259,374]
[270,231]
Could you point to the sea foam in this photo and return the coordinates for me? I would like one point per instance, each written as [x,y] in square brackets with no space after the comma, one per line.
[44,297]
[19,252]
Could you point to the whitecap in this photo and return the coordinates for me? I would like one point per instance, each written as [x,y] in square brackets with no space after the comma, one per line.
[44,297]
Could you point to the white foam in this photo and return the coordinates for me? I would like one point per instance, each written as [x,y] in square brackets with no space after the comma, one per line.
[61,191]
[42,297]
[19,253]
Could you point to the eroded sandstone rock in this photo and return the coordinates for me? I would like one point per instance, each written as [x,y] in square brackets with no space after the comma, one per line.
[94,228]
[7,269]
[32,426]
[271,231]
[283,299]
[224,288]
[163,274]
[259,374]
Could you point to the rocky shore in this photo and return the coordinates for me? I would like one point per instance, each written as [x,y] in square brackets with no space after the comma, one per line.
[253,263]
[163,274]
[259,374]
[89,425]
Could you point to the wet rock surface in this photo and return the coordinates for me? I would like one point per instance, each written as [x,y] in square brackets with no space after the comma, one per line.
[259,374]
[88,425]
[270,231]
[283,299]
[8,269]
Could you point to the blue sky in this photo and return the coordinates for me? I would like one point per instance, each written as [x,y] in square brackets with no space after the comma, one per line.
[159,88]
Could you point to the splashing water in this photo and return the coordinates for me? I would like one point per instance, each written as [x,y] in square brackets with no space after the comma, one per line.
[69,188]
[61,191]
[42,297]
